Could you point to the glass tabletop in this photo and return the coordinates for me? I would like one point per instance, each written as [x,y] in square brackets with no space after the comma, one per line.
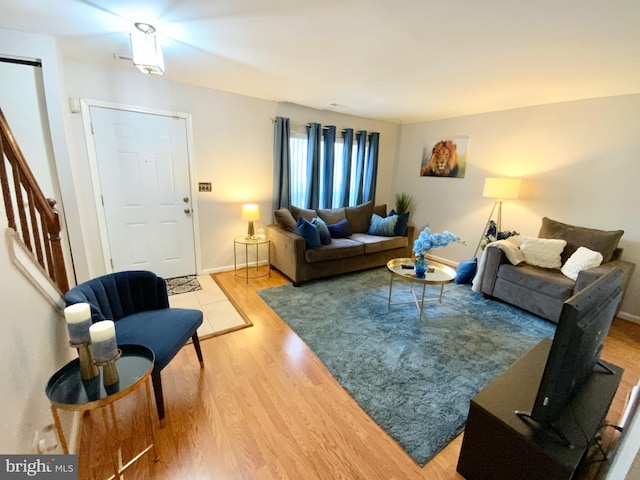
[437,273]
[66,389]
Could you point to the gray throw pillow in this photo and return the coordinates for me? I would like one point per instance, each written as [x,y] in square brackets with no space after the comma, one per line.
[284,218]
[359,217]
[601,241]
[305,213]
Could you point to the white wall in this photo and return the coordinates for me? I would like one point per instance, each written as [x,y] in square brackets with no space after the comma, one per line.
[34,345]
[34,340]
[579,162]
[233,149]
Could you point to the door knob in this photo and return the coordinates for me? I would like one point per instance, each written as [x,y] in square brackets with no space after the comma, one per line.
[185,199]
[187,211]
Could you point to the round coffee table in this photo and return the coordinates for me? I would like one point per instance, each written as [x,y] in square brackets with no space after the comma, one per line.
[437,274]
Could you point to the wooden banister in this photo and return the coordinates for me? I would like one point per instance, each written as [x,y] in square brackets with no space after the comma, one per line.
[33,216]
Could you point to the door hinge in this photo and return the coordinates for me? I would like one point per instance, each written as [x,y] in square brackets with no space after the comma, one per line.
[111,260]
[102,200]
[91,125]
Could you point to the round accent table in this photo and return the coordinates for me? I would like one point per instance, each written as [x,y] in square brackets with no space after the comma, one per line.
[401,269]
[251,241]
[67,391]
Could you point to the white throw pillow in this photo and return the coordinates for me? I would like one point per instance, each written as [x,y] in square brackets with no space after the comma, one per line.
[581,259]
[542,252]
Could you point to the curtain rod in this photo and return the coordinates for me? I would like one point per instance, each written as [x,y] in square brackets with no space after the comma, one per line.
[301,124]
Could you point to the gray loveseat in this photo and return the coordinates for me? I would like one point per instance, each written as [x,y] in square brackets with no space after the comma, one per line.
[542,291]
[290,254]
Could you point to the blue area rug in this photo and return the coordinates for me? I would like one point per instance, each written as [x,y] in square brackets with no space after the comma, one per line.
[415,379]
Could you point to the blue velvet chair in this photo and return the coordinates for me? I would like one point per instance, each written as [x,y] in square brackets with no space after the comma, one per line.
[138,304]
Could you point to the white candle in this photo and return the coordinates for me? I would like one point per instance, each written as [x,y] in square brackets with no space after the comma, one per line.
[103,340]
[78,317]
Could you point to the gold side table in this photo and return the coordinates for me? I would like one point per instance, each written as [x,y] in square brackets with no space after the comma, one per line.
[437,274]
[67,391]
[247,242]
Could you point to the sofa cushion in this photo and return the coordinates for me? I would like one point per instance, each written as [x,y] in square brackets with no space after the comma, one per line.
[549,282]
[601,241]
[339,248]
[384,227]
[340,229]
[309,232]
[542,252]
[359,217]
[582,259]
[323,230]
[284,218]
[380,210]
[331,215]
[375,243]
[298,212]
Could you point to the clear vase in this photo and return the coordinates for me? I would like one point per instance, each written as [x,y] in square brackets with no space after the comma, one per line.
[420,266]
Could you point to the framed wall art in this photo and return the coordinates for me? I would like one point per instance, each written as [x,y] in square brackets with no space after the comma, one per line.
[445,158]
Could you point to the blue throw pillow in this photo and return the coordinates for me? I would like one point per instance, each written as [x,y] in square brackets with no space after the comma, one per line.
[325,236]
[384,227]
[402,223]
[340,229]
[466,270]
[309,232]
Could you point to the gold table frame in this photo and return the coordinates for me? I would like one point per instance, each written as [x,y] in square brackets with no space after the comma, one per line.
[437,274]
[89,395]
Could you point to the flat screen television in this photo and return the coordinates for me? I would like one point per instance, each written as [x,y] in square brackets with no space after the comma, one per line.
[575,351]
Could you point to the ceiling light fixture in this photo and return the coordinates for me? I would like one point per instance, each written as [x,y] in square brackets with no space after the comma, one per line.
[146,51]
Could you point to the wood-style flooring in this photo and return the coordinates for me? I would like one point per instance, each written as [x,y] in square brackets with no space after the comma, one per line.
[264,407]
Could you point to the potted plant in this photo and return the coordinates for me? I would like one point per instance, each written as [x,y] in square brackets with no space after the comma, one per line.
[403,203]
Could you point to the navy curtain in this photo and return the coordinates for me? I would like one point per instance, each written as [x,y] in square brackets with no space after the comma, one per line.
[371,169]
[345,189]
[281,164]
[329,143]
[314,135]
[361,138]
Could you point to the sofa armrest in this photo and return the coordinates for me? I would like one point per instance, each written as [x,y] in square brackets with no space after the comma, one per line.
[287,252]
[590,275]
[493,258]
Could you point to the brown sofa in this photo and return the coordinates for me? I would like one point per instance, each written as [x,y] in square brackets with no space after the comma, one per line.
[542,291]
[289,253]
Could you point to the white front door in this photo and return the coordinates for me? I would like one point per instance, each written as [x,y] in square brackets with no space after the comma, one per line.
[143,165]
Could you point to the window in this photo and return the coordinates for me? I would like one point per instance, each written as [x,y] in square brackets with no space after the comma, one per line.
[300,171]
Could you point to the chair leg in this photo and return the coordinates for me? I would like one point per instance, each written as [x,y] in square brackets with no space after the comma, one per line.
[196,345]
[157,390]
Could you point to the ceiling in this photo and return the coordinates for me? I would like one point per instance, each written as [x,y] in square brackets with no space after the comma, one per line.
[396,60]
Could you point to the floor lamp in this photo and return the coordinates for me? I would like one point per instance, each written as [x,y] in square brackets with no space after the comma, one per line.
[500,189]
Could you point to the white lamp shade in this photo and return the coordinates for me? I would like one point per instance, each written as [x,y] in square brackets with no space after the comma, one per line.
[146,53]
[501,188]
[250,212]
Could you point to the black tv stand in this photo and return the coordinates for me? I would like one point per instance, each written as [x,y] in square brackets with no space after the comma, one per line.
[550,426]
[499,444]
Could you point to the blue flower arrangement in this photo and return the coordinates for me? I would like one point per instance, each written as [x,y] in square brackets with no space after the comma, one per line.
[426,241]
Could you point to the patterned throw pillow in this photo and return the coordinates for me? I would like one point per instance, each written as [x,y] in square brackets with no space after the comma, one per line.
[325,236]
[383,227]
[542,252]
[582,259]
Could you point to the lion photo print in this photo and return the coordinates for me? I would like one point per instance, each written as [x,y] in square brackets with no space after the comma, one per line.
[445,158]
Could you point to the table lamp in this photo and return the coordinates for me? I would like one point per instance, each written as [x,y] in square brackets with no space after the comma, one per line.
[500,189]
[250,212]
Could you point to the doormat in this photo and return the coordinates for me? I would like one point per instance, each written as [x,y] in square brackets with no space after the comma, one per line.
[186,284]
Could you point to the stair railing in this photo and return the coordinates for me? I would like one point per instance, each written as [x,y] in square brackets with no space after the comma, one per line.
[30,214]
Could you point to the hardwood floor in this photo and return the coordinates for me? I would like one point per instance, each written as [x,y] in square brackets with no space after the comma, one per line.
[264,407]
